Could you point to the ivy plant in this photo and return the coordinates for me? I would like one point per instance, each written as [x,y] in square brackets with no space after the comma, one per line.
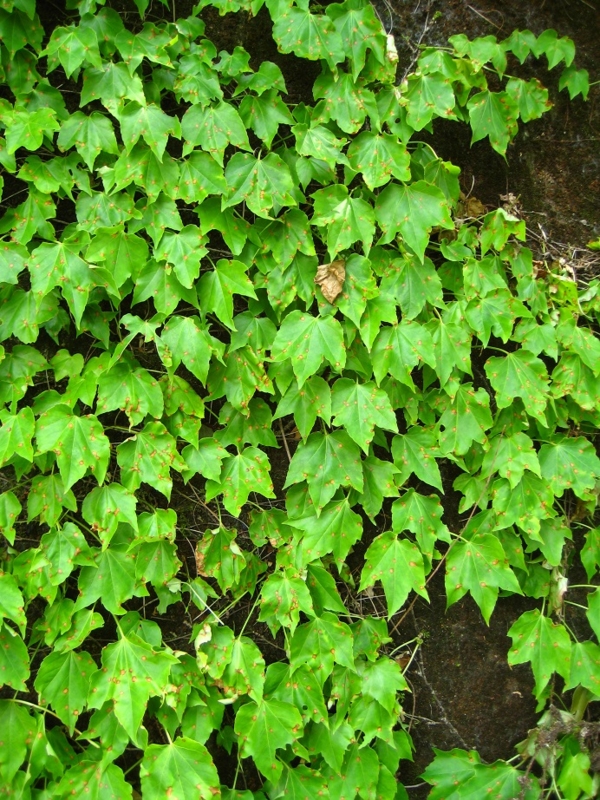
[235,328]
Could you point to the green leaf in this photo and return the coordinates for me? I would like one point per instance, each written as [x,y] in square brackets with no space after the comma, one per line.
[16,434]
[530,97]
[320,143]
[570,463]
[10,508]
[217,287]
[427,95]
[213,128]
[179,770]
[360,30]
[412,211]
[466,419]
[47,498]
[260,183]
[90,135]
[359,407]
[205,460]
[283,596]
[242,474]
[183,250]
[326,461]
[200,176]
[412,285]
[381,680]
[554,48]
[238,377]
[519,374]
[64,548]
[98,781]
[265,114]
[526,504]
[307,340]
[219,556]
[379,482]
[307,403]
[130,657]
[459,775]
[111,83]
[123,252]
[254,428]
[576,81]
[545,644]
[423,516]
[335,530]
[134,391]
[74,46]
[452,347]
[346,219]
[399,348]
[299,686]
[14,661]
[63,681]
[510,456]
[112,578]
[150,123]
[188,343]
[79,443]
[479,566]
[582,341]
[18,731]
[148,456]
[12,604]
[493,114]
[398,564]
[320,644]
[28,128]
[347,101]
[105,506]
[307,35]
[414,452]
[263,729]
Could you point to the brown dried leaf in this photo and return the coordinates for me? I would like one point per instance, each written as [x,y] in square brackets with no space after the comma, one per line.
[330,277]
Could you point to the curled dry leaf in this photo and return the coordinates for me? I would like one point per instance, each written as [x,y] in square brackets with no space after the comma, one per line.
[330,277]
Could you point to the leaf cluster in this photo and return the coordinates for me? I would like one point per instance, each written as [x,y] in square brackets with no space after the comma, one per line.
[202,281]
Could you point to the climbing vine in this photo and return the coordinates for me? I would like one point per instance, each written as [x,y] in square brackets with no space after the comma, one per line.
[286,316]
